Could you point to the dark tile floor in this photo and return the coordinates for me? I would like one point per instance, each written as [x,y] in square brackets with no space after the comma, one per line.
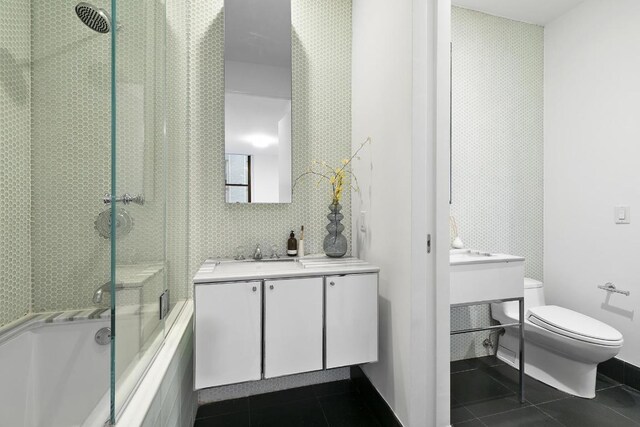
[336,404]
[484,394]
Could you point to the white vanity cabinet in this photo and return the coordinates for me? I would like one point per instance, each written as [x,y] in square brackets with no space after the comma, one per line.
[260,320]
[292,326]
[228,336]
[351,316]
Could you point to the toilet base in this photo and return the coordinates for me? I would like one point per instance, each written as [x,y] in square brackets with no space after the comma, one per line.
[567,375]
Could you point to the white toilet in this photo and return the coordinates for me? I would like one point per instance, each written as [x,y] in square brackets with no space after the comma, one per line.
[562,347]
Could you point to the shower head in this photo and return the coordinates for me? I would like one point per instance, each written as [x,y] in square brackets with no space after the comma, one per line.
[93,17]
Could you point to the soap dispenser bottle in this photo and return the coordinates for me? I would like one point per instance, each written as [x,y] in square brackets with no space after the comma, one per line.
[292,245]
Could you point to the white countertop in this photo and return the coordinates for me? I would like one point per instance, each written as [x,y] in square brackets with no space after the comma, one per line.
[213,271]
[472,256]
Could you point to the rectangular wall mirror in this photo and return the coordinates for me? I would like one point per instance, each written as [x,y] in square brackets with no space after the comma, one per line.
[257,68]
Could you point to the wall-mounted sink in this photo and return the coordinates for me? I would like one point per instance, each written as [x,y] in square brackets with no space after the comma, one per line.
[478,276]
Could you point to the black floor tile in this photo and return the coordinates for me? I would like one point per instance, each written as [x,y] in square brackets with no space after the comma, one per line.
[266,400]
[495,406]
[612,368]
[585,413]
[238,419]
[471,423]
[304,413]
[535,391]
[603,382]
[479,362]
[623,400]
[460,414]
[475,386]
[347,410]
[376,403]
[335,387]
[632,376]
[224,407]
[524,417]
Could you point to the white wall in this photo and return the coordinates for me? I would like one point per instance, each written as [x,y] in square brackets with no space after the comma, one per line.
[393,76]
[265,187]
[591,152]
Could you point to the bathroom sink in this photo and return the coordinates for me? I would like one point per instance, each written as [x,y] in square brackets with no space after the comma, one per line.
[262,260]
[226,270]
[254,266]
[477,276]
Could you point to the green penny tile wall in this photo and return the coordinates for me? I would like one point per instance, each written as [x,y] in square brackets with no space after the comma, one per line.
[497,138]
[321,45]
[15,158]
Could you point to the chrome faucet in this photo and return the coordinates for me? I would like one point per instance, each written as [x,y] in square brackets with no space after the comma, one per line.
[99,293]
[257,254]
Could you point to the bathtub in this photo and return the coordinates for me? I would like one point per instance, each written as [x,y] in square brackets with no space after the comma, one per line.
[53,371]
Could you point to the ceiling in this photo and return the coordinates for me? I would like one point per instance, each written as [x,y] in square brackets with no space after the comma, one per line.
[539,12]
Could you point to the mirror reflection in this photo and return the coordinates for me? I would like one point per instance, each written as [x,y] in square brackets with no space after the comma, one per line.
[257,60]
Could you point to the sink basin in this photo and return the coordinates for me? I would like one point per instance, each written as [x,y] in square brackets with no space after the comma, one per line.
[477,276]
[261,260]
[254,266]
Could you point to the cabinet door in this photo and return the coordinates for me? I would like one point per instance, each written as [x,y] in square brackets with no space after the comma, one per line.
[293,326]
[351,319]
[228,331]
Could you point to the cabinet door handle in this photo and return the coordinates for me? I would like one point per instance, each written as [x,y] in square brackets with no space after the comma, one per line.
[254,289]
[332,283]
[271,287]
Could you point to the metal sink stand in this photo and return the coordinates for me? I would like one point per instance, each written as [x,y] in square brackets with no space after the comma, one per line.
[520,324]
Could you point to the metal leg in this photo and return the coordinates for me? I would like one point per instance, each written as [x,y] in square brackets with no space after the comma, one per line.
[521,303]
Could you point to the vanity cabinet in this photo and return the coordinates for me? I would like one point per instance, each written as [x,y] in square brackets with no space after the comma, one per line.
[228,336]
[292,326]
[351,316]
[260,320]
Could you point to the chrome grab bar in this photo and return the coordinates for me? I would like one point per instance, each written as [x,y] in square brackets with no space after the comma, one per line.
[126,199]
[610,287]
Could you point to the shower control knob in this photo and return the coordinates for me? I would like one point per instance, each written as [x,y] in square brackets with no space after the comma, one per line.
[271,287]
[254,289]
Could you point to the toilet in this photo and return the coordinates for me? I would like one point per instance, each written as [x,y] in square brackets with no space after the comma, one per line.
[562,347]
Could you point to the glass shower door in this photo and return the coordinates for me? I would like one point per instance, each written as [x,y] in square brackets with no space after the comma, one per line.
[138,193]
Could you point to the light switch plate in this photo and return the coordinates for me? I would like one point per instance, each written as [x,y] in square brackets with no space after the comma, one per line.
[622,215]
[363,221]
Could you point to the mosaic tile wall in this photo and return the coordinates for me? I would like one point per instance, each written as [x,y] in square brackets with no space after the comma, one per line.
[71,142]
[497,120]
[15,157]
[321,47]
[178,150]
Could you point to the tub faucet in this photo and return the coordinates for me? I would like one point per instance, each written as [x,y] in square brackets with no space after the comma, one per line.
[99,293]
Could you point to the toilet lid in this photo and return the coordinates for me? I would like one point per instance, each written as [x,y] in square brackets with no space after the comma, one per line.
[574,325]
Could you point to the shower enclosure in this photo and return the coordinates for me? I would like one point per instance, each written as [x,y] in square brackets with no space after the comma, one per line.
[91,276]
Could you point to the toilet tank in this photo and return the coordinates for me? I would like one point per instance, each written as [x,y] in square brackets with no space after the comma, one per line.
[533,293]
[508,312]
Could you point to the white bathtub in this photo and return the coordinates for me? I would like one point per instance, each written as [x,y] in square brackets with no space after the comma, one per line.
[53,374]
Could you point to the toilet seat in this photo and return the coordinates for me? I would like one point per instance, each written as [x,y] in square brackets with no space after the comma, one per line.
[574,325]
